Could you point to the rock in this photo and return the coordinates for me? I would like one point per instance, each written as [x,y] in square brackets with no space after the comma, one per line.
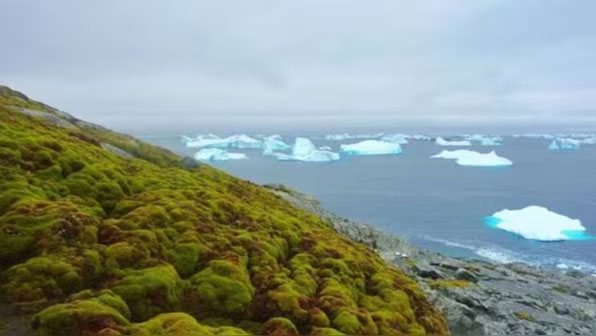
[464,274]
[561,310]
[427,271]
[538,331]
[118,151]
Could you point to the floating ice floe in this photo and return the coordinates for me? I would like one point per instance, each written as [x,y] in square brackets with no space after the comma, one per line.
[371,147]
[213,141]
[401,139]
[534,135]
[421,137]
[325,148]
[464,157]
[217,154]
[347,136]
[538,223]
[565,144]
[274,143]
[442,142]
[305,150]
[485,140]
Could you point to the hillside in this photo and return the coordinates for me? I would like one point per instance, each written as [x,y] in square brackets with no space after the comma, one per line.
[102,234]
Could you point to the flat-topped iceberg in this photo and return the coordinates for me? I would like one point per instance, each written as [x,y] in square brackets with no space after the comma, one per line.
[464,157]
[305,150]
[213,141]
[274,143]
[217,154]
[442,142]
[538,223]
[371,147]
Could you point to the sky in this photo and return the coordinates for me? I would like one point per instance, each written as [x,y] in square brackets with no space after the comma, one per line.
[150,64]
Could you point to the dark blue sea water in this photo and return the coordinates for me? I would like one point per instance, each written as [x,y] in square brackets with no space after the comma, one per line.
[439,205]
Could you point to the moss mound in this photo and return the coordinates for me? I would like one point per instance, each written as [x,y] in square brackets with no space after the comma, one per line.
[96,242]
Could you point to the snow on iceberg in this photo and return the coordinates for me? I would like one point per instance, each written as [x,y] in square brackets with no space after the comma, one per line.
[442,142]
[213,141]
[466,157]
[538,223]
[274,143]
[371,147]
[305,150]
[216,154]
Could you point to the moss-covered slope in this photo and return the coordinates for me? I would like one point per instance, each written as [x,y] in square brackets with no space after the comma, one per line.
[101,234]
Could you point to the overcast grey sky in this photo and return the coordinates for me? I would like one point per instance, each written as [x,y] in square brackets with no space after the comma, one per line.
[159,63]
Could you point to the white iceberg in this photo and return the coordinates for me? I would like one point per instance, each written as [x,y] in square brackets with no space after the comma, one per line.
[442,142]
[347,136]
[274,143]
[401,139]
[213,141]
[216,154]
[554,146]
[485,140]
[305,150]
[371,147]
[565,144]
[325,148]
[421,137]
[538,223]
[464,157]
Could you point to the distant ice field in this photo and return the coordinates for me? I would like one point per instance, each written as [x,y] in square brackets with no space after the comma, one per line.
[438,204]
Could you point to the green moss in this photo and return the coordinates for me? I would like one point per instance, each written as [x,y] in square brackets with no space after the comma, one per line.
[279,326]
[41,278]
[80,316]
[223,287]
[185,257]
[180,324]
[149,291]
[449,283]
[354,322]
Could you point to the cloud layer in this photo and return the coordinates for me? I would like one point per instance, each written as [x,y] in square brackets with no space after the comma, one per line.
[164,62]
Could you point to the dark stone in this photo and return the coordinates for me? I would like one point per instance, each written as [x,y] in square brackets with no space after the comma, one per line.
[464,274]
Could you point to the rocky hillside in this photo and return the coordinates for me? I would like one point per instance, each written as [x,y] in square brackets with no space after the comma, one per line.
[102,234]
[479,297]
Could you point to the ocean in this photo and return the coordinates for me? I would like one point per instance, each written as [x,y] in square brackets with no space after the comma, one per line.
[439,205]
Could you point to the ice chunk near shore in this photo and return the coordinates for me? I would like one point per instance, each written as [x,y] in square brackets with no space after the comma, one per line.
[305,150]
[538,223]
[464,157]
[442,142]
[554,146]
[371,147]
[274,143]
[216,154]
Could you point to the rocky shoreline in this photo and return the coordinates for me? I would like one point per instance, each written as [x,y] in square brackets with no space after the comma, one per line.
[479,297]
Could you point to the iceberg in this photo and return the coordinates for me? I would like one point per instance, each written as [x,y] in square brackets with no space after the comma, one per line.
[371,147]
[466,157]
[213,141]
[421,137]
[274,143]
[538,223]
[325,148]
[442,142]
[401,139]
[305,150]
[565,144]
[216,154]
[347,136]
[485,140]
